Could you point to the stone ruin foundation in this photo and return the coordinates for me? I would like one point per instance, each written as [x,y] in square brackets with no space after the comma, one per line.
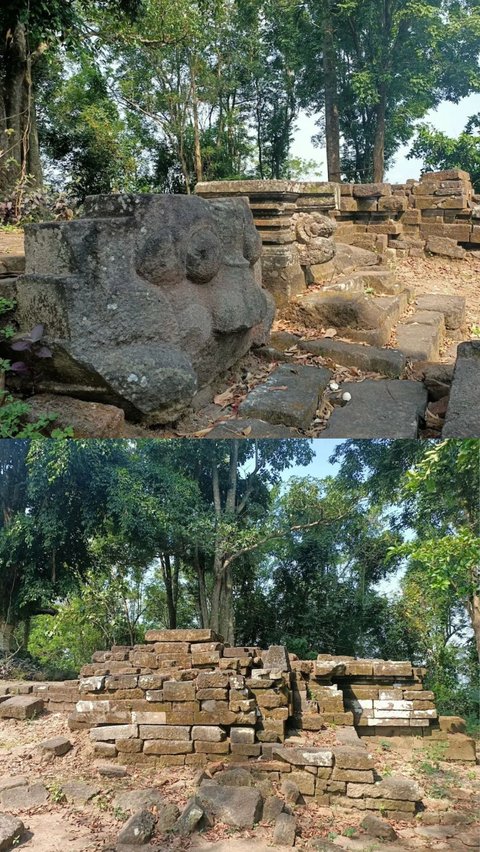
[185,698]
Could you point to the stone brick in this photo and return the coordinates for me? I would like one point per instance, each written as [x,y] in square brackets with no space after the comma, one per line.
[164,732]
[389,804]
[353,758]
[133,746]
[208,733]
[355,775]
[114,732]
[212,680]
[167,747]
[205,658]
[146,718]
[209,747]
[242,735]
[21,707]
[178,691]
[215,694]
[392,669]
[189,635]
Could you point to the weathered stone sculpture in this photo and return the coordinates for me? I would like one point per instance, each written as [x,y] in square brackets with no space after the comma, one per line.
[293,222]
[145,299]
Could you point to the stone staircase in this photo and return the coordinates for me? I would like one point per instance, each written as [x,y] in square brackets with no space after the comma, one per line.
[367,308]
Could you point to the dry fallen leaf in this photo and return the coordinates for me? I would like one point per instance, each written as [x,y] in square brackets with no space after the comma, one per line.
[330,332]
[279,388]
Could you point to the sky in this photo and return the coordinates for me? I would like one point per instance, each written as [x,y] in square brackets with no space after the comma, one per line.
[448,117]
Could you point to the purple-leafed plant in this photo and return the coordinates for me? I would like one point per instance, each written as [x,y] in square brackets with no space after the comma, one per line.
[32,343]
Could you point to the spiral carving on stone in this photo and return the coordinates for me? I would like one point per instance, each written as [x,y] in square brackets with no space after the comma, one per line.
[311,226]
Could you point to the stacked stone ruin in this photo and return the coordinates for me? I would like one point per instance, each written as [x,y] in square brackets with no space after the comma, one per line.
[184,697]
[438,214]
[293,221]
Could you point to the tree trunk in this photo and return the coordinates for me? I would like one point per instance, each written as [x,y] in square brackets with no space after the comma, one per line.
[196,127]
[6,637]
[19,151]
[332,121]
[379,143]
[474,611]
[202,591]
[169,590]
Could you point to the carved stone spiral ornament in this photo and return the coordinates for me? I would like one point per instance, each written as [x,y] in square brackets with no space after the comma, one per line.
[311,226]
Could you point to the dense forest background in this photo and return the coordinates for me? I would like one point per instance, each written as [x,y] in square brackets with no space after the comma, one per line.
[99,96]
[100,540]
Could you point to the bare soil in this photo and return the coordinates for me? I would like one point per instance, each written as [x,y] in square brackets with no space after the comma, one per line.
[61,827]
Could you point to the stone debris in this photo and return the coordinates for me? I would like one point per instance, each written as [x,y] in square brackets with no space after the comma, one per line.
[377,827]
[21,707]
[240,807]
[11,831]
[285,830]
[80,792]
[22,798]
[138,830]
[57,746]
[87,419]
[190,818]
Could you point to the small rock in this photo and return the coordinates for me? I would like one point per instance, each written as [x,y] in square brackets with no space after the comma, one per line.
[289,397]
[88,419]
[79,792]
[291,792]
[110,770]
[272,808]
[285,830]
[235,778]
[23,798]
[139,800]
[189,819]
[11,830]
[445,247]
[138,830]
[167,816]
[378,827]
[57,746]
[238,807]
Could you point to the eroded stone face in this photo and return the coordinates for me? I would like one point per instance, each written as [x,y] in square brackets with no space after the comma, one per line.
[145,299]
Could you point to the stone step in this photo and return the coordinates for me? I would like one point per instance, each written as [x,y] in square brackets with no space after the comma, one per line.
[381,282]
[289,397]
[452,307]
[379,409]
[463,413]
[370,359]
[356,316]
[421,335]
[250,428]
[12,264]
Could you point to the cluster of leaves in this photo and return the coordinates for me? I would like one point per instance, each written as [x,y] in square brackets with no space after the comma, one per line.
[27,203]
[440,151]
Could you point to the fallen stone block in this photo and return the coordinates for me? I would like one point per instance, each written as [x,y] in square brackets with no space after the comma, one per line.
[379,409]
[285,830]
[377,827]
[240,807]
[139,829]
[421,335]
[304,756]
[110,770]
[463,413]
[21,707]
[9,781]
[452,308]
[445,247]
[369,359]
[23,798]
[356,316]
[11,831]
[290,396]
[189,819]
[57,746]
[87,419]
[377,281]
[79,792]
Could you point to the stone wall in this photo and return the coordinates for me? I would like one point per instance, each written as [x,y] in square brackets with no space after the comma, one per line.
[184,696]
[57,696]
[438,214]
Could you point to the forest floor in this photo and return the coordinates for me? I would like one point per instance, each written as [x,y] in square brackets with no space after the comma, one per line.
[58,826]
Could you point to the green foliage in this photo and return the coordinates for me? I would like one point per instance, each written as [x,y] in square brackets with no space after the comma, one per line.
[440,151]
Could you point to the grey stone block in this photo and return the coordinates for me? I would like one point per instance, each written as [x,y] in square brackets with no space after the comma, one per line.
[383,409]
[290,396]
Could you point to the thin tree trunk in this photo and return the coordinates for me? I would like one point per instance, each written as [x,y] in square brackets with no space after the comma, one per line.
[19,150]
[332,120]
[169,590]
[202,591]
[196,126]
[6,637]
[379,143]
[474,612]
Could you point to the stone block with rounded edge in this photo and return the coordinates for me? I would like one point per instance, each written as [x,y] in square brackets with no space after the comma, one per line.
[240,807]
[285,830]
[145,300]
[379,409]
[11,830]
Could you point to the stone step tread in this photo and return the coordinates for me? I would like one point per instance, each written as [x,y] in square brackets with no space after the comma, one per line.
[389,362]
[379,409]
[289,397]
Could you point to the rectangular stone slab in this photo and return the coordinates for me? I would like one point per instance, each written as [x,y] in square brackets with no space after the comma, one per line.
[290,396]
[21,707]
[463,413]
[383,409]
[193,635]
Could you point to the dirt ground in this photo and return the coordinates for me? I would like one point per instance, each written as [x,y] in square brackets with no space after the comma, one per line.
[61,827]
